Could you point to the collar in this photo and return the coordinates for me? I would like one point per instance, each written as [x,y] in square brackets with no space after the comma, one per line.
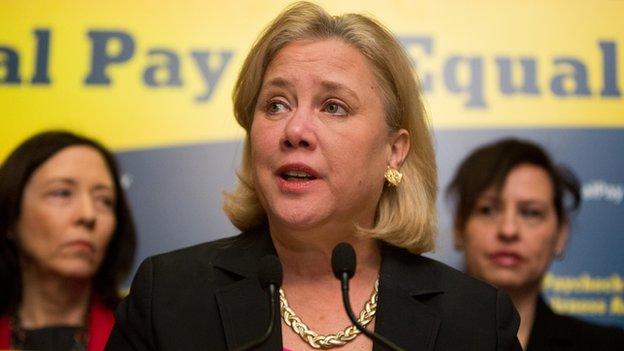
[547,331]
[240,254]
[243,304]
[406,282]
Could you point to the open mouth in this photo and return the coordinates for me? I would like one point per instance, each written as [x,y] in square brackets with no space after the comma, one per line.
[296,176]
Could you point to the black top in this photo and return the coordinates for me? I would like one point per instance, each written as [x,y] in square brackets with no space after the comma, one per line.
[208,297]
[554,332]
[52,339]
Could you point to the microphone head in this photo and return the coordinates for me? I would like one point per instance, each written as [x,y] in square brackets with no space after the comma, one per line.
[270,271]
[343,260]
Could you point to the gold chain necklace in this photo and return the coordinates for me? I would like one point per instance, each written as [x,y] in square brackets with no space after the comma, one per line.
[318,341]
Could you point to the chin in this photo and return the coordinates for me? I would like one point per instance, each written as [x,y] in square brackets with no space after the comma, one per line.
[77,270]
[299,221]
[507,282]
[300,214]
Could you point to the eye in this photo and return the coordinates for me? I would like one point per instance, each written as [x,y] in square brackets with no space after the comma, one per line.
[335,108]
[486,210]
[106,202]
[59,196]
[531,213]
[60,193]
[275,107]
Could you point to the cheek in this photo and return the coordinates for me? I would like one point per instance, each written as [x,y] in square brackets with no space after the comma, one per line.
[106,230]
[263,142]
[476,242]
[39,231]
[361,155]
[542,248]
[476,237]
[356,172]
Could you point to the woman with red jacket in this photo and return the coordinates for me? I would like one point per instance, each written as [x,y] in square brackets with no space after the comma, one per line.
[66,241]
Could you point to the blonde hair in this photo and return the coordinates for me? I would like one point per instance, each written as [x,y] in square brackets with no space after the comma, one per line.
[406,216]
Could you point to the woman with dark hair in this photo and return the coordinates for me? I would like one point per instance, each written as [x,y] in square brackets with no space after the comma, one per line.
[66,242]
[512,208]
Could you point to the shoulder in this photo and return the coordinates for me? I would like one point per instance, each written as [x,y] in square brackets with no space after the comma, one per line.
[192,256]
[5,331]
[556,328]
[451,292]
[171,290]
[470,312]
[461,293]
[438,275]
[587,327]
[213,263]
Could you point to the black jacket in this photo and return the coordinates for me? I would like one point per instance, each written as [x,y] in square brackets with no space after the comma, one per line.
[208,297]
[554,332]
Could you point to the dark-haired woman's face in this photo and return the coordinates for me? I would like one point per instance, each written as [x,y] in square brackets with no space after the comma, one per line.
[511,238]
[67,214]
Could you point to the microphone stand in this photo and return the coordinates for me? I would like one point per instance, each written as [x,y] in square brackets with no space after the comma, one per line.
[270,276]
[273,305]
[344,282]
[343,263]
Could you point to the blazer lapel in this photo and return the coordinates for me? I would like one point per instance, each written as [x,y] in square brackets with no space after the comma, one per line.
[548,333]
[402,317]
[244,309]
[244,305]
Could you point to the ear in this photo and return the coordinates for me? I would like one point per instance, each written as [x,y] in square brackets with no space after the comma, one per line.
[563,233]
[458,235]
[458,239]
[399,148]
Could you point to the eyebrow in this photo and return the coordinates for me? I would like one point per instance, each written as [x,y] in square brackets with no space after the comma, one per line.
[533,202]
[329,86]
[278,83]
[70,181]
[333,87]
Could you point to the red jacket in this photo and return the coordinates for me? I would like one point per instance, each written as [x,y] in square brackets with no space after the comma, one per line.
[101,322]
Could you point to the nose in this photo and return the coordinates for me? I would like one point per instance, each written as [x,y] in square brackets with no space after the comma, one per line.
[508,230]
[86,212]
[299,131]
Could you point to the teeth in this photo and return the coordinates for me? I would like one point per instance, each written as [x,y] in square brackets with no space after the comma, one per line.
[297,174]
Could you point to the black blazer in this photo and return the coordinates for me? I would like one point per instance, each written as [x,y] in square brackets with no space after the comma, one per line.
[554,332]
[208,297]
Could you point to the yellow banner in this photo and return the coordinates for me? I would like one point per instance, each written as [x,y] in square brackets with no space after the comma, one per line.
[142,74]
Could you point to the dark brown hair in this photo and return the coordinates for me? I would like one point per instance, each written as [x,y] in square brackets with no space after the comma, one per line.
[14,175]
[489,165]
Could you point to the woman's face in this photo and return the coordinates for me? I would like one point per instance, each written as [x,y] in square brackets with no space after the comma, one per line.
[510,239]
[319,140]
[67,214]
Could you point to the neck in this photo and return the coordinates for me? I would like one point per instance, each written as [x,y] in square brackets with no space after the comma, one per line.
[49,300]
[525,301]
[306,254]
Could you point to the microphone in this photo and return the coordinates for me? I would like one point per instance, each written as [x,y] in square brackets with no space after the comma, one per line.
[343,265]
[270,276]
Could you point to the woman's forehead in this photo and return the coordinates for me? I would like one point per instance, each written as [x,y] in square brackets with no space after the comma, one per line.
[328,61]
[524,182]
[72,163]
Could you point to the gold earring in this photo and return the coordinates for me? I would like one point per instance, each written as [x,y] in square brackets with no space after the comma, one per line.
[393,176]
